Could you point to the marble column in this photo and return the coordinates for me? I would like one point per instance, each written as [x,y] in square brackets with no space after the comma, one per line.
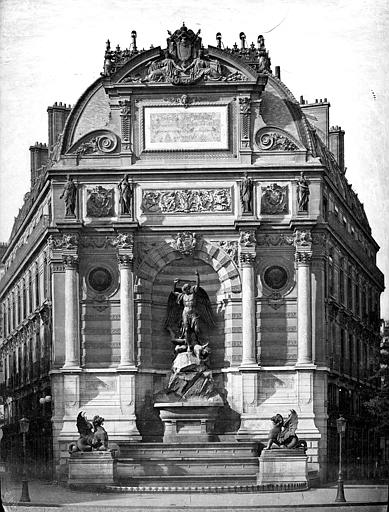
[304,308]
[72,343]
[247,254]
[127,339]
[248,310]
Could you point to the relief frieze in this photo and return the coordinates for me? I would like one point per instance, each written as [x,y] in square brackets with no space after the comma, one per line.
[186,201]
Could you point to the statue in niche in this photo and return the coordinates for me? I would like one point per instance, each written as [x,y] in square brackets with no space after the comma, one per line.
[93,435]
[283,435]
[69,196]
[189,315]
[187,307]
[126,191]
[246,194]
[302,193]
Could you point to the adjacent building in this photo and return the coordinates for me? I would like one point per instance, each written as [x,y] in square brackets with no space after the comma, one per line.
[177,159]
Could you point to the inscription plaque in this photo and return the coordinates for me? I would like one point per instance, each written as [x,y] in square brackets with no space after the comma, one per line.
[179,128]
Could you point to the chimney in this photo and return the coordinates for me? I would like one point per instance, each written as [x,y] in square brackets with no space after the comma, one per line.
[317,115]
[277,72]
[58,114]
[336,145]
[38,158]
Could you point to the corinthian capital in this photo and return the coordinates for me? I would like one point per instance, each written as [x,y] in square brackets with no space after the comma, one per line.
[70,260]
[125,260]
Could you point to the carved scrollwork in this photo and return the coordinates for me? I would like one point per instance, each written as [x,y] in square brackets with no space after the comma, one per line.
[68,241]
[247,238]
[107,143]
[274,141]
[186,201]
[101,142]
[270,240]
[124,241]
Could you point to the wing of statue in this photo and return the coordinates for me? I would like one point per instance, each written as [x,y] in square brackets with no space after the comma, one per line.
[205,308]
[173,312]
[82,424]
[290,425]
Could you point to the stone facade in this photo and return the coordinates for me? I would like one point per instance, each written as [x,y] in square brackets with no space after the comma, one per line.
[214,158]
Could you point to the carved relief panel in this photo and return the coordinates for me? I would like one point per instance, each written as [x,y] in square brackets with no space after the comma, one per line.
[274,199]
[100,201]
[186,201]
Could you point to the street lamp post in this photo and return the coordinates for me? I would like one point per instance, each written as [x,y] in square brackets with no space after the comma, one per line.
[341,428]
[24,424]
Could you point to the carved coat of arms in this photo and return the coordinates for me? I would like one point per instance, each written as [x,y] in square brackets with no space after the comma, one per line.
[184,44]
[185,243]
[274,199]
[100,202]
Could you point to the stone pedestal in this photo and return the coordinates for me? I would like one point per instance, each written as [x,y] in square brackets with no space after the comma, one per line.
[283,466]
[188,421]
[91,469]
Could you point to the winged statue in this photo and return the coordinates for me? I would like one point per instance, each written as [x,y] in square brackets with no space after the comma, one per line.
[283,433]
[188,311]
[93,435]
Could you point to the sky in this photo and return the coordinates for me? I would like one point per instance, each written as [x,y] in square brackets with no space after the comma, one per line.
[51,50]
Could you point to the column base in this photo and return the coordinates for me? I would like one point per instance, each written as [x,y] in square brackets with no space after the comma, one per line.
[126,368]
[305,366]
[70,368]
[249,366]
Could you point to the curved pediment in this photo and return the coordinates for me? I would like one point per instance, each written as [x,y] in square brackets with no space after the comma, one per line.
[211,65]
[185,61]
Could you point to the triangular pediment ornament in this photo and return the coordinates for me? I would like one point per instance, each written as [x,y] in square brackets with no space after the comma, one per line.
[275,139]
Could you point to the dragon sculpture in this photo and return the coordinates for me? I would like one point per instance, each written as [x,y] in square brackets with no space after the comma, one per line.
[283,433]
[93,435]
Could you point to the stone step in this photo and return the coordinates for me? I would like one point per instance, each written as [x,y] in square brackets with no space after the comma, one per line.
[189,480]
[189,465]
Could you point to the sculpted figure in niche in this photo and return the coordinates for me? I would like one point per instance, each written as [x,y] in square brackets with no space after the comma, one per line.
[302,193]
[69,196]
[126,190]
[192,304]
[246,194]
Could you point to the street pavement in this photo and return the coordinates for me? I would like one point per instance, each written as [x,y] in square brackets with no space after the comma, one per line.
[50,497]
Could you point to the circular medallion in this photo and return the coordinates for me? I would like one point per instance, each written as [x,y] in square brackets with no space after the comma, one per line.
[100,279]
[275,277]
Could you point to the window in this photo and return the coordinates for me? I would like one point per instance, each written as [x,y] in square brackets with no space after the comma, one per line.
[350,353]
[325,209]
[357,305]
[342,351]
[341,283]
[349,293]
